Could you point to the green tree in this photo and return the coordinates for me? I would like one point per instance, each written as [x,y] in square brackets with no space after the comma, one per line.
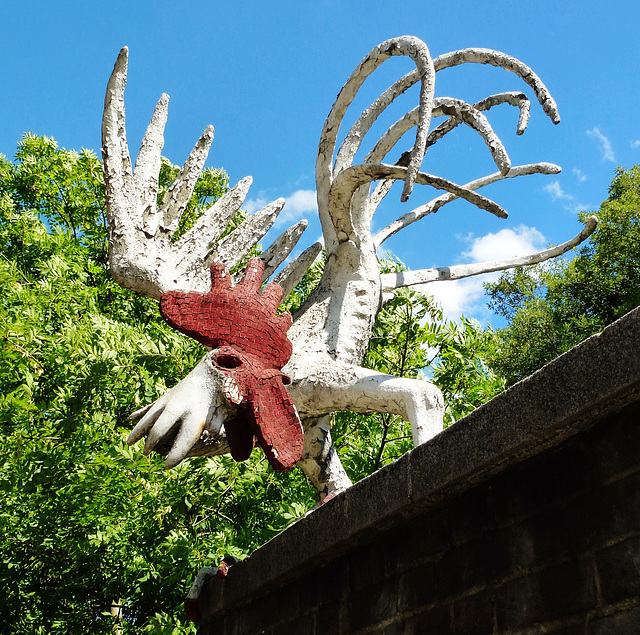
[554,306]
[87,522]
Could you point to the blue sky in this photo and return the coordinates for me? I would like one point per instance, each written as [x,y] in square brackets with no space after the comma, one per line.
[265,75]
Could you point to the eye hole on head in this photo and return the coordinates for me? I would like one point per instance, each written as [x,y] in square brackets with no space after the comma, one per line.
[227,361]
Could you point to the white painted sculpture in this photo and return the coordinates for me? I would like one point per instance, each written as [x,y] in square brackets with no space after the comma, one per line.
[331,331]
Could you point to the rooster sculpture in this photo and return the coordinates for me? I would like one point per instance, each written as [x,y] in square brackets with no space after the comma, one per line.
[272,379]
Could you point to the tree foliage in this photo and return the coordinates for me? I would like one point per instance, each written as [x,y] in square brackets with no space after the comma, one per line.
[552,307]
[87,522]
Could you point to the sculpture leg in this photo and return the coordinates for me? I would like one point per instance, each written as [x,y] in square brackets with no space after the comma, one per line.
[418,402]
[320,461]
[333,387]
[425,410]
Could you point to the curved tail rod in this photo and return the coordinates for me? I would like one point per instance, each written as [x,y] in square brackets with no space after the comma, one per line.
[351,179]
[459,112]
[352,141]
[419,53]
[337,180]
[354,137]
[392,281]
[508,63]
[435,204]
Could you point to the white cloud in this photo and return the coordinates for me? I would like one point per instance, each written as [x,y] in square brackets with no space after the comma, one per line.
[302,201]
[554,189]
[635,144]
[580,175]
[605,144]
[457,297]
[466,296]
[507,243]
[253,205]
[297,206]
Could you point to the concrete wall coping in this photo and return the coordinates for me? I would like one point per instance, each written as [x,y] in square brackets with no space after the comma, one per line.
[598,377]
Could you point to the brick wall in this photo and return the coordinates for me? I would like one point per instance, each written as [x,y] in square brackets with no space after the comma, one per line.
[522,518]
